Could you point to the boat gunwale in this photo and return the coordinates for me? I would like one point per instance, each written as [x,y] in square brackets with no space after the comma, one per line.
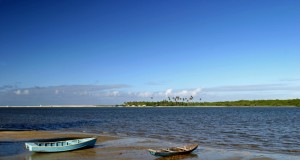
[37,146]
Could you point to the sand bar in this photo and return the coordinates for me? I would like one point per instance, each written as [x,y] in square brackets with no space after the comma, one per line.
[113,148]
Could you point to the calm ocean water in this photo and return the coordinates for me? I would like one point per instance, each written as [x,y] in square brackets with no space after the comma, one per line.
[275,130]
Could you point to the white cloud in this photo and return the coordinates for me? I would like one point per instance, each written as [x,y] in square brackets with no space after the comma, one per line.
[111,94]
[253,88]
[18,92]
[26,91]
[7,87]
[117,94]
[168,92]
[164,94]
[65,94]
[183,93]
[145,94]
[258,91]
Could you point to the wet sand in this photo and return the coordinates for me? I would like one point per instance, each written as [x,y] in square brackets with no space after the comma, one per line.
[113,148]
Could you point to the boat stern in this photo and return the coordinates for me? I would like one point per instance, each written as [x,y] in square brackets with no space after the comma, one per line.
[28,146]
[153,152]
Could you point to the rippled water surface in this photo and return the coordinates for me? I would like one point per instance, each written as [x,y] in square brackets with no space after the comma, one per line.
[263,129]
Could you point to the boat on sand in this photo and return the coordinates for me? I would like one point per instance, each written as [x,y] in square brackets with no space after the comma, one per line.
[60,146]
[173,151]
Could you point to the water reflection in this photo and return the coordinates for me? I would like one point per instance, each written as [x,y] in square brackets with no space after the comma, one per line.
[78,154]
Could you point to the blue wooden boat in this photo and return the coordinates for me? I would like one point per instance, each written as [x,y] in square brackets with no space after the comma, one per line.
[60,146]
[173,151]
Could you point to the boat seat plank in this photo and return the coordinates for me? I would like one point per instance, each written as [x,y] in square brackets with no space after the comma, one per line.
[185,149]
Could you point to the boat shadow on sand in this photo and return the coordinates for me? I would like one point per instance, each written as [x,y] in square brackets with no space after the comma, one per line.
[179,157]
[75,154]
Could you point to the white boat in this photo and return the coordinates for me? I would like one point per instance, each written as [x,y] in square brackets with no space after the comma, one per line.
[60,146]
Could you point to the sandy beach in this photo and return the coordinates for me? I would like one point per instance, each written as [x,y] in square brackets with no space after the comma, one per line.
[12,146]
[112,148]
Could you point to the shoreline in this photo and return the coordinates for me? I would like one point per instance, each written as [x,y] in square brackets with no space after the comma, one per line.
[119,106]
[58,106]
[111,147]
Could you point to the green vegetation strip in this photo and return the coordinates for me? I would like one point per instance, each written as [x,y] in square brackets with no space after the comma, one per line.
[288,102]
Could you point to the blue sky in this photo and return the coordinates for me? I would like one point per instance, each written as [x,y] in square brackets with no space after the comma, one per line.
[108,52]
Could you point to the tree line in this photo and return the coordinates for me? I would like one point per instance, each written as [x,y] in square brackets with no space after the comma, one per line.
[188,102]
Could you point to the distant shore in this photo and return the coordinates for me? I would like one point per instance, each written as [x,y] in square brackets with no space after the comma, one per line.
[59,106]
[183,102]
[177,101]
[128,106]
